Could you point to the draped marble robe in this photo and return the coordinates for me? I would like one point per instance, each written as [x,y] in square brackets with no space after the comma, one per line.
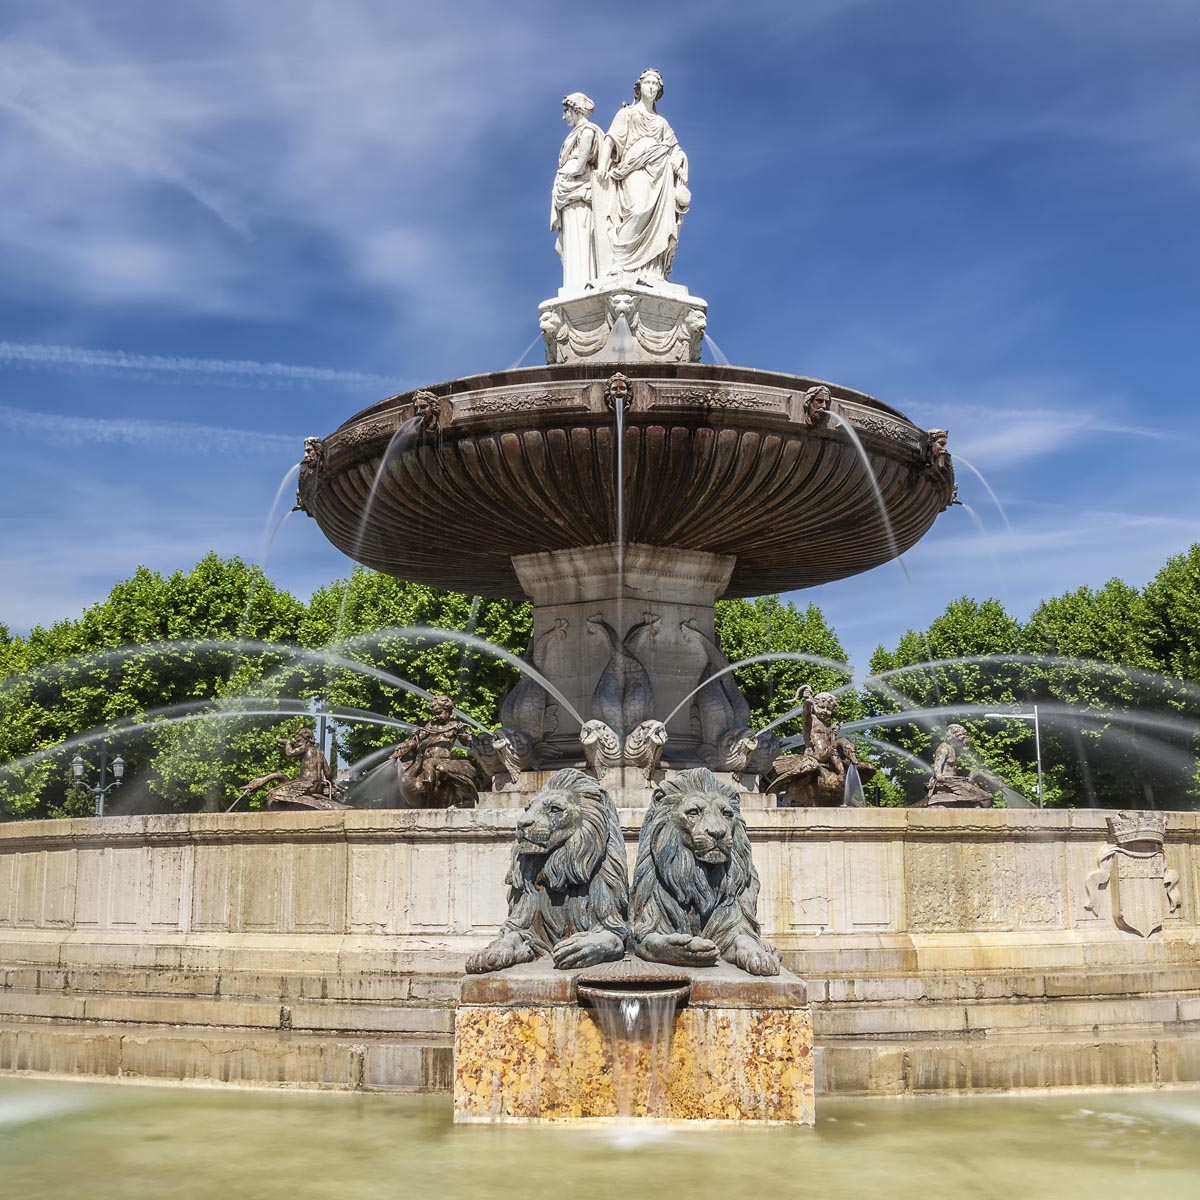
[649,178]
[571,205]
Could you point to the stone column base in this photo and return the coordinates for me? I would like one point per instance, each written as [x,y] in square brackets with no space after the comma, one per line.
[625,634]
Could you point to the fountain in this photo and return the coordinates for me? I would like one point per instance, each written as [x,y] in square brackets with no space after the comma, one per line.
[622,487]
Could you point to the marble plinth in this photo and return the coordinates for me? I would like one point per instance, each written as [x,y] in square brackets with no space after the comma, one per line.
[624,320]
[526,1051]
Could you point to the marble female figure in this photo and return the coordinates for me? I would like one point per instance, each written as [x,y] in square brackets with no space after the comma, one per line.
[571,197]
[642,161]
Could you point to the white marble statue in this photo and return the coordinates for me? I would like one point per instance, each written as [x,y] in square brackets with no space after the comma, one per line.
[642,193]
[571,198]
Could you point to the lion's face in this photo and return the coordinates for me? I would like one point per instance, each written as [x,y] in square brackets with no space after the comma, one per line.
[705,821]
[552,819]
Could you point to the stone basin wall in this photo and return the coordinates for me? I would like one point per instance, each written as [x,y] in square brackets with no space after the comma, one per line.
[325,949]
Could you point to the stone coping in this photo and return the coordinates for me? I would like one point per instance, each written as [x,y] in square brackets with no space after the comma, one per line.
[486,822]
[722,986]
[585,372]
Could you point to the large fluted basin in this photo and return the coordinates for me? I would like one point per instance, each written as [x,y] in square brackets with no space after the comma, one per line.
[720,459]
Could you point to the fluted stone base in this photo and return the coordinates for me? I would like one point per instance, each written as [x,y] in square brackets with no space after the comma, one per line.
[658,604]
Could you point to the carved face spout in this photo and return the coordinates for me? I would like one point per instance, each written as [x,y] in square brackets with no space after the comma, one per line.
[706,822]
[550,820]
[622,304]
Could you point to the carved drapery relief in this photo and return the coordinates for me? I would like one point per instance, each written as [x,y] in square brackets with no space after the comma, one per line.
[519,402]
[667,397]
[665,329]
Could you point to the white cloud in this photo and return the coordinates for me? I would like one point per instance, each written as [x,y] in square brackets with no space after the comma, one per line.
[227,372]
[180,437]
[1022,435]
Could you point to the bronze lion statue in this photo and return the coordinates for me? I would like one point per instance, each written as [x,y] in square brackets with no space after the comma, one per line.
[568,887]
[695,889]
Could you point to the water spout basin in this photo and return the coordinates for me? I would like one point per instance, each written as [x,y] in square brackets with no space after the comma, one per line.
[594,995]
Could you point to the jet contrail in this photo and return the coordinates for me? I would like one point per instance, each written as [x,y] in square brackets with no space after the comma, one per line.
[236,372]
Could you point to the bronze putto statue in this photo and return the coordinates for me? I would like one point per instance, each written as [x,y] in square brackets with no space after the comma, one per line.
[428,774]
[817,776]
[314,787]
[946,788]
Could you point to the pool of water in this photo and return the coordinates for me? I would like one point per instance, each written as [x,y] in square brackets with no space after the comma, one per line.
[104,1141]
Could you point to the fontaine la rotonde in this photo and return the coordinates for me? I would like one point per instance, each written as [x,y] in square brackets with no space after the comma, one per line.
[623,488]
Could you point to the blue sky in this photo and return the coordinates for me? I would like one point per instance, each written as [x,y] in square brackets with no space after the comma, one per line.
[228,225]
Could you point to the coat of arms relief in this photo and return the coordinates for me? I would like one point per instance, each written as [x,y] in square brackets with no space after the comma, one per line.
[1134,869]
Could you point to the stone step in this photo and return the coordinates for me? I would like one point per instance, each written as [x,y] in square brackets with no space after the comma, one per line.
[893,1019]
[333,1016]
[1006,1063]
[905,1019]
[390,987]
[241,1057]
[859,1066]
[1003,985]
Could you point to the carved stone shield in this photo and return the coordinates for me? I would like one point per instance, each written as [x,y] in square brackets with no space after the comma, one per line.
[1142,889]
[1139,899]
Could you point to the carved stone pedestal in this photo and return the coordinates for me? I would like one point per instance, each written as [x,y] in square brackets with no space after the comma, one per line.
[625,638]
[624,321]
[525,1051]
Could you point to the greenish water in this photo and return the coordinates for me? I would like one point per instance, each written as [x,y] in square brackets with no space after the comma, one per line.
[101,1141]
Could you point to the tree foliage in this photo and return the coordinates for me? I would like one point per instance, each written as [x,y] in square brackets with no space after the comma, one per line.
[194,677]
[769,625]
[1111,671]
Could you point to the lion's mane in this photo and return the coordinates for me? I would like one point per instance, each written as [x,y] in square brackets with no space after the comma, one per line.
[580,885]
[672,891]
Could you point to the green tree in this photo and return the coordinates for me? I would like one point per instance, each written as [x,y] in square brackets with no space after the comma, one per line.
[353,617]
[1172,616]
[972,644]
[1112,735]
[140,655]
[769,625]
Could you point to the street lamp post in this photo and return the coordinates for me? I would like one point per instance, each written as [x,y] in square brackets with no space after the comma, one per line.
[326,728]
[100,789]
[1037,743]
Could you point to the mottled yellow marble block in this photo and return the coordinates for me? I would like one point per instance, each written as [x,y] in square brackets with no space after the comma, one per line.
[549,1060]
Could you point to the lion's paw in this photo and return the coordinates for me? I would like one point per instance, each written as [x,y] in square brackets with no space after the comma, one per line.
[679,950]
[506,951]
[588,949]
[754,957]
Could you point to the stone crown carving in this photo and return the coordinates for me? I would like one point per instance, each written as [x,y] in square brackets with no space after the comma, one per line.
[1130,827]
